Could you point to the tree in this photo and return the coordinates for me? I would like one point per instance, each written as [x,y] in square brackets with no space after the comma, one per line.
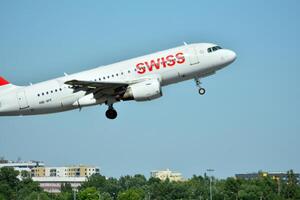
[291,189]
[66,188]
[97,181]
[249,192]
[231,188]
[105,196]
[9,175]
[131,194]
[137,181]
[27,187]
[25,174]
[37,195]
[8,182]
[89,193]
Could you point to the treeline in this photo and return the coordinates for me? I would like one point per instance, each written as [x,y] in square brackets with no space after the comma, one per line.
[139,188]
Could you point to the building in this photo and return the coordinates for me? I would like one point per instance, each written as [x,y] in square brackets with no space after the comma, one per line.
[70,171]
[53,184]
[52,178]
[274,175]
[21,166]
[167,174]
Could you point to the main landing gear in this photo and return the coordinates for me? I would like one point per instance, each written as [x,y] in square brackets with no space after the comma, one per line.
[201,90]
[111,113]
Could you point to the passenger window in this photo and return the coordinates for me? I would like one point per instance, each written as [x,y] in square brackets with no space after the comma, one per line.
[209,50]
[215,48]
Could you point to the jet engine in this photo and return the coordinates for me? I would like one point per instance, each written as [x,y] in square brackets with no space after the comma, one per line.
[143,91]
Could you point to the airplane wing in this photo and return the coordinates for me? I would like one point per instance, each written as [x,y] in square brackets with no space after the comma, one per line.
[98,88]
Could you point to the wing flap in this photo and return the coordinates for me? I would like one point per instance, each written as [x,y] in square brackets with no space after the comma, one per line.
[98,88]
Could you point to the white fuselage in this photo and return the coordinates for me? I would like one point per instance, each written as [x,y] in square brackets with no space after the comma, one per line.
[169,66]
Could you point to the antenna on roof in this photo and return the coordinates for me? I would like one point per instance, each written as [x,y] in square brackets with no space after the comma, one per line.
[185,44]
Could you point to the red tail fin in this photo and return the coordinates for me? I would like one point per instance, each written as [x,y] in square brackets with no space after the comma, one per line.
[3,81]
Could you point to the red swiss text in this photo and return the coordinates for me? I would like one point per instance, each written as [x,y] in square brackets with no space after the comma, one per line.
[163,62]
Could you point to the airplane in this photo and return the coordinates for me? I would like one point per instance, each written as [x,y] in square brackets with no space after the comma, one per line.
[140,79]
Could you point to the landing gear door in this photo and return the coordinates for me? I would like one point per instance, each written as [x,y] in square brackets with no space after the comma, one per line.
[22,100]
[193,57]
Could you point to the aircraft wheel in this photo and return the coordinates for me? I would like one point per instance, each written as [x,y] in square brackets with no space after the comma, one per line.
[201,91]
[111,114]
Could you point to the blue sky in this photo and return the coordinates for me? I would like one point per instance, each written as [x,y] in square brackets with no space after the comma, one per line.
[247,121]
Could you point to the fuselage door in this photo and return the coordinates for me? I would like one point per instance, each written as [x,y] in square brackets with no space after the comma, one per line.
[22,100]
[193,57]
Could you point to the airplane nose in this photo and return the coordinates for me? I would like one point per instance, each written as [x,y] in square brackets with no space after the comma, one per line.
[231,55]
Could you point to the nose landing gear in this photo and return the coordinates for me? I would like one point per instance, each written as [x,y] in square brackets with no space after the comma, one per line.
[201,90]
[111,113]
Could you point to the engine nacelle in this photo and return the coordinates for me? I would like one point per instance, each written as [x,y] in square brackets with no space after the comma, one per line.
[143,91]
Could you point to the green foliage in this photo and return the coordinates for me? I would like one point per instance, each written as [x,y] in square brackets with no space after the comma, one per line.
[105,196]
[131,194]
[291,189]
[98,181]
[66,188]
[25,174]
[89,193]
[139,188]
[37,195]
[8,182]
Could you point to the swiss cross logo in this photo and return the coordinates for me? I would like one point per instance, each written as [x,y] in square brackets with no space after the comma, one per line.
[163,62]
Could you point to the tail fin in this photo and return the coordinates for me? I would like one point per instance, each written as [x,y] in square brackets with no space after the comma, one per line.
[3,82]
[5,86]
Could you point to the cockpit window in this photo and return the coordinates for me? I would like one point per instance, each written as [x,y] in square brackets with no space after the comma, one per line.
[215,48]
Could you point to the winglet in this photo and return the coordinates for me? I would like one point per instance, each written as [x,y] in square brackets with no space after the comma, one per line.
[3,81]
